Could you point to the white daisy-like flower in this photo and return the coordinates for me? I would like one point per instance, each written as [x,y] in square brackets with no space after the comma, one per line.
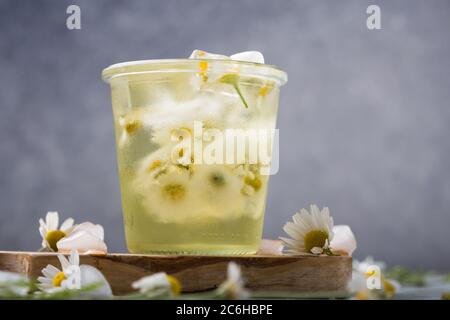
[134,121]
[68,277]
[367,264]
[158,284]
[151,167]
[370,272]
[310,232]
[73,276]
[169,197]
[85,237]
[216,185]
[233,287]
[51,232]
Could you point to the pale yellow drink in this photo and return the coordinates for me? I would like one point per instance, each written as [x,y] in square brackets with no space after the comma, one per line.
[175,206]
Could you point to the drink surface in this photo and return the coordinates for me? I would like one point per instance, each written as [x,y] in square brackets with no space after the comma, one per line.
[175,201]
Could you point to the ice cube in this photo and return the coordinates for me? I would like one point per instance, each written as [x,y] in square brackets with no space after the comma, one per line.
[200,54]
[248,56]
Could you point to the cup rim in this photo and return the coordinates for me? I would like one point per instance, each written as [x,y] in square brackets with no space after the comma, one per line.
[245,68]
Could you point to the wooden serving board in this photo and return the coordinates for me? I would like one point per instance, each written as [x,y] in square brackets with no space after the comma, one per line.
[294,274]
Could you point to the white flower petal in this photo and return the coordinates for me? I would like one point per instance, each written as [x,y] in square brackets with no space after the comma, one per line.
[67,225]
[90,276]
[234,272]
[44,280]
[64,262]
[270,247]
[305,222]
[74,258]
[294,244]
[50,271]
[306,218]
[292,230]
[152,282]
[42,228]
[95,229]
[344,240]
[302,220]
[233,287]
[73,281]
[52,220]
[82,241]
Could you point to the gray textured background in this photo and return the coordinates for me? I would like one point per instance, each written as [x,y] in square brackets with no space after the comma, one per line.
[364,119]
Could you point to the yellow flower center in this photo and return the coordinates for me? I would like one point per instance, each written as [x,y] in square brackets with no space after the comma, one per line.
[389,288]
[362,296]
[155,164]
[132,126]
[175,285]
[217,179]
[263,91]
[370,273]
[315,238]
[255,182]
[203,68]
[53,237]
[58,278]
[174,192]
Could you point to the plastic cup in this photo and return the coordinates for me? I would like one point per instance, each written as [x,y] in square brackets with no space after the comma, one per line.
[188,185]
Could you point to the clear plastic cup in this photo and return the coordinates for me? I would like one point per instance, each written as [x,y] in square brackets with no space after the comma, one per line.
[185,187]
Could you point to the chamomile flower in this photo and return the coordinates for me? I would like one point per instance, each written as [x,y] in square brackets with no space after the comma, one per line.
[310,232]
[216,185]
[152,166]
[369,283]
[367,264]
[169,197]
[68,277]
[233,287]
[51,232]
[85,237]
[158,284]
